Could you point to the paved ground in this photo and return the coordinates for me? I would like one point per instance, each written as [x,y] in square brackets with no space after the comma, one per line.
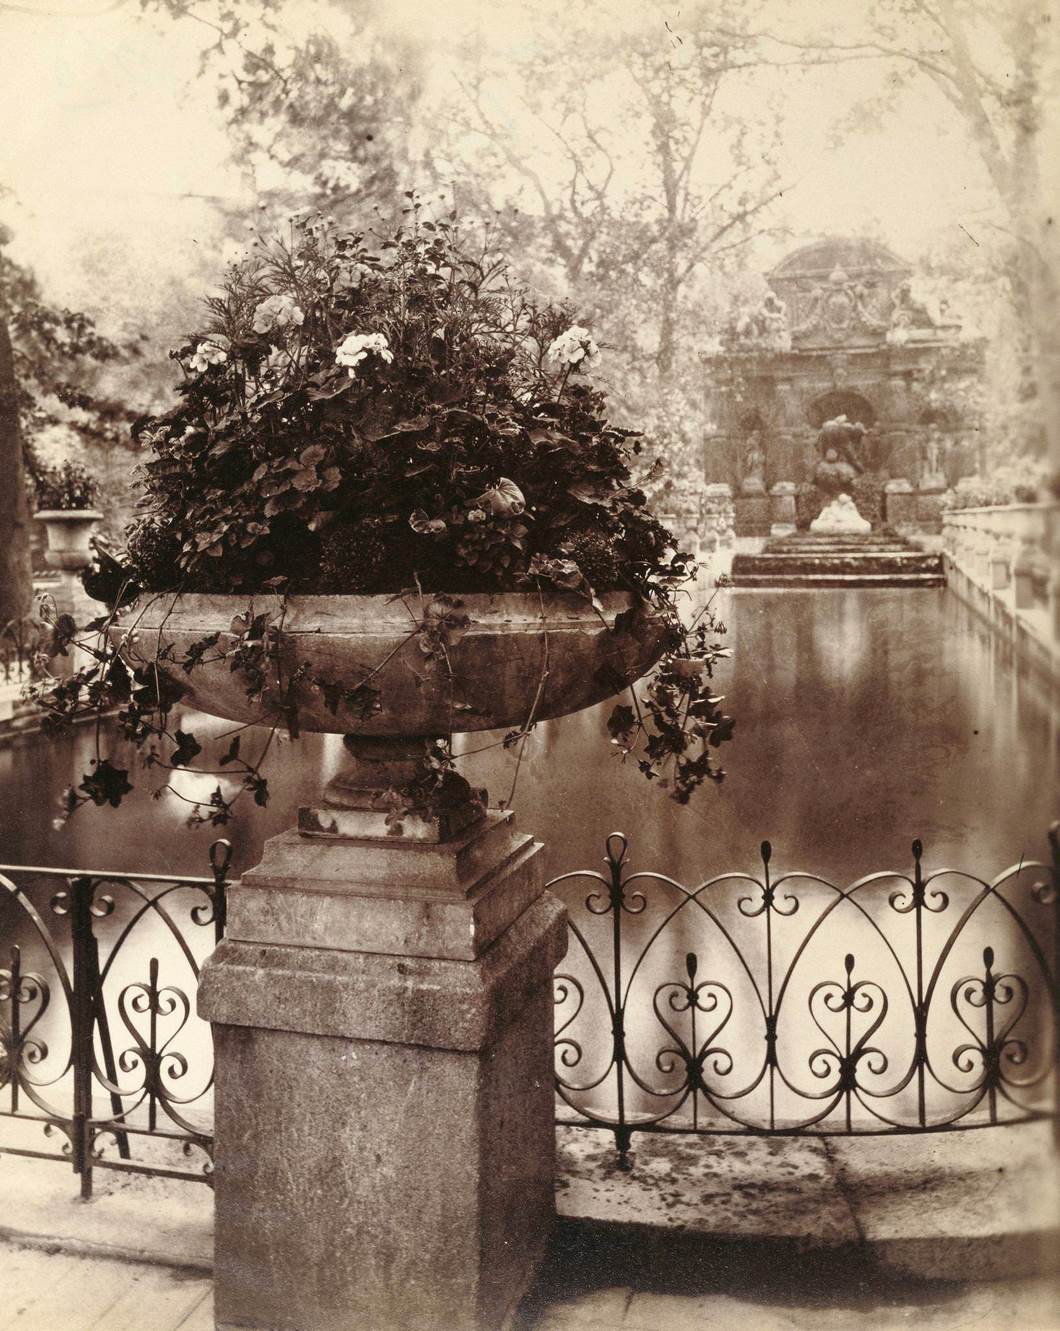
[689,1284]
[741,1235]
[49,1291]
[671,1287]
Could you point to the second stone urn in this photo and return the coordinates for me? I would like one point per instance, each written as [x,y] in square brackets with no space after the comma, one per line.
[69,532]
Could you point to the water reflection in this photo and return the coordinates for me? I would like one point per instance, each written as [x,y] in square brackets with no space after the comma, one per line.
[864,718]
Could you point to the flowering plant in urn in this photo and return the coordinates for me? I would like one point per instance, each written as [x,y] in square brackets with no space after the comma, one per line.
[388,503]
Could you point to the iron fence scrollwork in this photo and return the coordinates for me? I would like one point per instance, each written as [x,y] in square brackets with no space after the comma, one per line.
[96,1051]
[751,1004]
[785,1005]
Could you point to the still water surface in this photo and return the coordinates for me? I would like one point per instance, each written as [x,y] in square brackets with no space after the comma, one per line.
[864,718]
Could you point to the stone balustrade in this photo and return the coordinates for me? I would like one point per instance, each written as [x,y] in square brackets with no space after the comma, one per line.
[1005,561]
[1006,544]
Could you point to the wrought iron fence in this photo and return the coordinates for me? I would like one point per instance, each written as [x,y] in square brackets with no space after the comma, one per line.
[751,1004]
[99,1051]
[758,1004]
[16,655]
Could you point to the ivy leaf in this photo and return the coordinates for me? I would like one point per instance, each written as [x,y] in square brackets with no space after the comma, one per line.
[107,784]
[425,526]
[118,679]
[193,656]
[621,721]
[188,748]
[305,480]
[230,754]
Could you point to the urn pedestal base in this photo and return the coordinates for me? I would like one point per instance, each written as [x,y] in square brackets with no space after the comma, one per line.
[382,1017]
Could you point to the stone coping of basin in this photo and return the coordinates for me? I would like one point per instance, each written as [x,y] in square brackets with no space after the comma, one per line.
[962,1206]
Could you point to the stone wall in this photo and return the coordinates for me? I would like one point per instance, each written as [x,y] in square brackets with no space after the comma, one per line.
[1005,563]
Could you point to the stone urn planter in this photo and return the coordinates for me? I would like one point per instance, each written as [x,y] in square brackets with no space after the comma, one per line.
[364,667]
[69,532]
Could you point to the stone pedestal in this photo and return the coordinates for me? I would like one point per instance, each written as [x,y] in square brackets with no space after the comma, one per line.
[382,1014]
[1000,571]
[1023,581]
[929,511]
[717,520]
[752,515]
[782,508]
[899,505]
[69,550]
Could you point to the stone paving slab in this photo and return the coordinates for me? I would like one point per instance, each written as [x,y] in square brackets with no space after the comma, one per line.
[744,1186]
[939,1204]
[131,1217]
[985,1200]
[727,1233]
[686,1282]
[58,1291]
[683,1283]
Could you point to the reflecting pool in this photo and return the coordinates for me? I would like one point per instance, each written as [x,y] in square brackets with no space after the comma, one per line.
[865,717]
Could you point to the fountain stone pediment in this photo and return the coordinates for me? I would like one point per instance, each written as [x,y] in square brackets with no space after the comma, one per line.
[841,292]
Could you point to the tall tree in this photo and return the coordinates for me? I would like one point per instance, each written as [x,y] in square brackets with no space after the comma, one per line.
[614,134]
[319,118]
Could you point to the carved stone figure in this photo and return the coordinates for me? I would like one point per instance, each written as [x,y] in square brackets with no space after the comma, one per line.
[773,322]
[753,480]
[907,314]
[766,328]
[840,517]
[833,475]
[932,475]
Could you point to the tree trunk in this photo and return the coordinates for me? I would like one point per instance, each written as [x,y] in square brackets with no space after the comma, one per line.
[16,579]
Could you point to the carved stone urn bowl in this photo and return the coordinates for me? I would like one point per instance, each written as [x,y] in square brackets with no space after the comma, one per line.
[387,672]
[69,532]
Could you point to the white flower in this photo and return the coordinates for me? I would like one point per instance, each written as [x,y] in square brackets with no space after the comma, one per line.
[355,346]
[573,347]
[350,278]
[209,352]
[277,312]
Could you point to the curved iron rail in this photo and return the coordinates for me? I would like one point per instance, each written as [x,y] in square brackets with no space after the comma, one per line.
[123,1035]
[928,1025]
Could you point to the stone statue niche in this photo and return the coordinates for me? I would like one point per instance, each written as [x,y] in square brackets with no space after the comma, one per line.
[839,444]
[753,466]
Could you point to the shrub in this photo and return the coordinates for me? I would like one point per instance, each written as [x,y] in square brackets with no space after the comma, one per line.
[356,417]
[66,487]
